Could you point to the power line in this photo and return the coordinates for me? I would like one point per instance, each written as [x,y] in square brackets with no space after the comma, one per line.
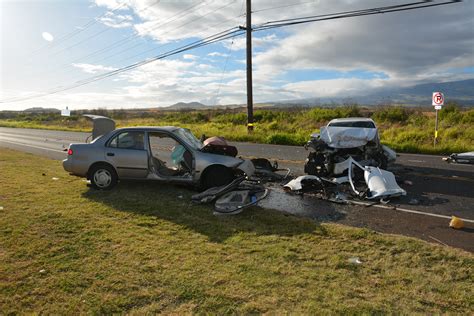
[233,32]
[167,44]
[229,53]
[349,14]
[82,28]
[282,6]
[227,34]
[101,31]
[132,37]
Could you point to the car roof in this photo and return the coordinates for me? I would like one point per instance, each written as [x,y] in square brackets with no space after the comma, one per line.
[154,128]
[352,119]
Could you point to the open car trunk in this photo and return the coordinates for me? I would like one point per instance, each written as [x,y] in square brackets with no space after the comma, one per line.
[101,125]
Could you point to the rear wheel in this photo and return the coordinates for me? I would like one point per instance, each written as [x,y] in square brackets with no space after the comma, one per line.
[216,176]
[103,177]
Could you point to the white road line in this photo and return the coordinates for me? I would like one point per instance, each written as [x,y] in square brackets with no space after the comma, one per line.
[394,208]
[23,144]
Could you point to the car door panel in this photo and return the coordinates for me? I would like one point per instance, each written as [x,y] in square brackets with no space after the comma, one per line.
[129,163]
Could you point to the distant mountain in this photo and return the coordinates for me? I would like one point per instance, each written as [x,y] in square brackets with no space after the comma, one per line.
[42,110]
[186,106]
[457,91]
[461,92]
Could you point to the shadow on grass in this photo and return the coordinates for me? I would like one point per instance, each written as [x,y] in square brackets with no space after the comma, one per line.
[173,203]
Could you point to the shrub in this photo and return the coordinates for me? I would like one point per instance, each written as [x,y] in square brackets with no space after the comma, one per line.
[286,139]
[396,114]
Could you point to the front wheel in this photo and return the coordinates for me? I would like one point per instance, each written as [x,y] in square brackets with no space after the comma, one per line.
[216,176]
[103,177]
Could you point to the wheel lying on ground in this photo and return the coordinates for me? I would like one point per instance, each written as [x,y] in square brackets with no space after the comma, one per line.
[103,177]
[216,176]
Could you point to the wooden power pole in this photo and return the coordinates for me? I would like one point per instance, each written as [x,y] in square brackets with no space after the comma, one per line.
[249,67]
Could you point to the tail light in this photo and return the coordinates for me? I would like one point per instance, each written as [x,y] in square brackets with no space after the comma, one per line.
[69,152]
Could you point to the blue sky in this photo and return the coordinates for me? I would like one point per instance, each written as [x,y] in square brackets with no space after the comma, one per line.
[339,58]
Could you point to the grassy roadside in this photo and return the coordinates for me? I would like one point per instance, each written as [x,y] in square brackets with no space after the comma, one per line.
[142,249]
[404,129]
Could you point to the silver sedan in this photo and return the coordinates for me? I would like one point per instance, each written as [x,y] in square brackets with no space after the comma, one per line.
[169,154]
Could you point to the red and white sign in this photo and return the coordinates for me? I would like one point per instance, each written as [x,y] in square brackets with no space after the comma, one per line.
[438,99]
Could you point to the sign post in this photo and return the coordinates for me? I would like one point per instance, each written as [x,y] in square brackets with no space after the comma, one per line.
[437,101]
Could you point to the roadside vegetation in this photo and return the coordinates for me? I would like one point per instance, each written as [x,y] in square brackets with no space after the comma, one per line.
[404,129]
[143,248]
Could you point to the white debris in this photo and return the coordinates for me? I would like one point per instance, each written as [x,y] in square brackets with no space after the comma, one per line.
[295,184]
[355,260]
[381,183]
[54,178]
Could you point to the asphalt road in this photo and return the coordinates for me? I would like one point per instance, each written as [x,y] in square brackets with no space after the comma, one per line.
[437,188]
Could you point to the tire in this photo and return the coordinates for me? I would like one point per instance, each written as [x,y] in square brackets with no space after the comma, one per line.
[103,177]
[216,176]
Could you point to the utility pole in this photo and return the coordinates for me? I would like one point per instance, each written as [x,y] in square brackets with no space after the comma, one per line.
[249,67]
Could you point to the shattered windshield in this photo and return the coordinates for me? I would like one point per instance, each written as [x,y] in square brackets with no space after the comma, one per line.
[359,124]
[186,135]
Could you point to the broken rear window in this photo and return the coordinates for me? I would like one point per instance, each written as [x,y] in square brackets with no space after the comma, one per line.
[359,124]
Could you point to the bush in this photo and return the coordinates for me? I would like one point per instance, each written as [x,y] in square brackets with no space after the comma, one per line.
[286,139]
[392,115]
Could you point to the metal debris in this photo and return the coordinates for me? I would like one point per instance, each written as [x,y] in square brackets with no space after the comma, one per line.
[234,202]
[464,158]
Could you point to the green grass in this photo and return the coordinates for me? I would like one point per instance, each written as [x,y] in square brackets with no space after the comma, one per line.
[141,249]
[402,128]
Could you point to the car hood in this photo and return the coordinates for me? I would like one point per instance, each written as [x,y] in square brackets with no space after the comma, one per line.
[347,137]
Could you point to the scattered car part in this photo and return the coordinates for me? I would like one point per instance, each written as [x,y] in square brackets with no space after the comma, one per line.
[354,260]
[299,183]
[381,183]
[466,158]
[266,171]
[213,193]
[343,138]
[235,201]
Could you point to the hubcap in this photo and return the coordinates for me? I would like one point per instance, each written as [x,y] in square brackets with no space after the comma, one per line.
[102,178]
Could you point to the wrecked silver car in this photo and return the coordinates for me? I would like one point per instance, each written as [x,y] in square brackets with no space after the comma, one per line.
[344,138]
[169,154]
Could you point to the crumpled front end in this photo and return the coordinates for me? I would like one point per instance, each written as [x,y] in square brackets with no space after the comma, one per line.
[330,150]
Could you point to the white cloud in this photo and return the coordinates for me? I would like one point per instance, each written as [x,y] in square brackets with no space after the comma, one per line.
[114,4]
[217,54]
[93,69]
[190,56]
[47,36]
[116,20]
[410,47]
